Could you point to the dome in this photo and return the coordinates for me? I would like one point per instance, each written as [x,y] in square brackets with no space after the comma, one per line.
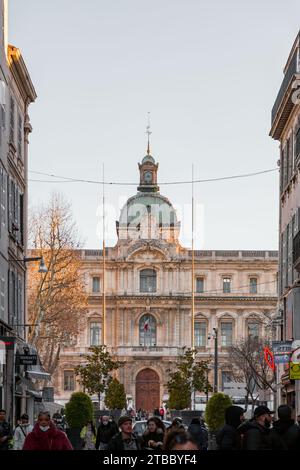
[141,205]
[148,159]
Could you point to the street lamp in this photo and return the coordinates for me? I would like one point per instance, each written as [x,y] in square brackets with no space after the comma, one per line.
[42,267]
[215,336]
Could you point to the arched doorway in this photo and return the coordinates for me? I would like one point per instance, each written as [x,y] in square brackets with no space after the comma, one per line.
[147,390]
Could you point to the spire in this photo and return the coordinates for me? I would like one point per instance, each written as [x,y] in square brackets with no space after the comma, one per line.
[149,133]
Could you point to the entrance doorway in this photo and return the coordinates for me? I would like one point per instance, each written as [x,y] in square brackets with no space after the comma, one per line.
[147,390]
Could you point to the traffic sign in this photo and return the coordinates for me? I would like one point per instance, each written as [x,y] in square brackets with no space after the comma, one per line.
[294,371]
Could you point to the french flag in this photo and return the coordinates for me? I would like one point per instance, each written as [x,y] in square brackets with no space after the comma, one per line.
[146,325]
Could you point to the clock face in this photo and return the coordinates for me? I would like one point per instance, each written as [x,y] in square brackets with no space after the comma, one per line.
[148,177]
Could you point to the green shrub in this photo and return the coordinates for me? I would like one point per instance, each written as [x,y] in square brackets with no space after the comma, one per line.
[215,410]
[79,410]
[115,397]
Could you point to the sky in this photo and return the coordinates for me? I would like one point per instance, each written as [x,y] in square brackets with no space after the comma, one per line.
[207,71]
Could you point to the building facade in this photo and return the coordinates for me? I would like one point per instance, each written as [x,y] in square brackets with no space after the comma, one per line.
[16,94]
[286,130]
[148,279]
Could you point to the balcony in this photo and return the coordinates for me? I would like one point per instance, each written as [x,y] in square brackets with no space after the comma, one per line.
[147,351]
[296,252]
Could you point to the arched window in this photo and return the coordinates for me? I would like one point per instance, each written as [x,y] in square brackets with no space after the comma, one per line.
[148,280]
[147,330]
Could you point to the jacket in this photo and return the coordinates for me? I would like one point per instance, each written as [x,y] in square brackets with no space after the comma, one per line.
[105,433]
[228,437]
[157,436]
[117,444]
[200,434]
[254,436]
[285,435]
[5,430]
[53,439]
[21,431]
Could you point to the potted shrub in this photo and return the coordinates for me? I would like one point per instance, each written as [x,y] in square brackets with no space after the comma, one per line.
[79,410]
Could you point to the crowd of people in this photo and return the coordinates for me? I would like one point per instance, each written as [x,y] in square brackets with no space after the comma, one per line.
[261,432]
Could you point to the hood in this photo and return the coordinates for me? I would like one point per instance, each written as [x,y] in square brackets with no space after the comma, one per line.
[281,426]
[232,416]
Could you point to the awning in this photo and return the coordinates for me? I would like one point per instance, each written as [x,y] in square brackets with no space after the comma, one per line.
[38,375]
[35,394]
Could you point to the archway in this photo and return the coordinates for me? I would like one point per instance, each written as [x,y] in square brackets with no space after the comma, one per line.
[147,390]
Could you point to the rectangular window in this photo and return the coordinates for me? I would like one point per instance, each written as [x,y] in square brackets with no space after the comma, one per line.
[226,334]
[253,330]
[200,334]
[2,296]
[148,280]
[226,378]
[12,121]
[96,284]
[95,334]
[200,285]
[69,381]
[253,285]
[226,285]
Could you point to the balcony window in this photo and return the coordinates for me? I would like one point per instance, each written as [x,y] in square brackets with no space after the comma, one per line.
[96,284]
[69,381]
[226,285]
[253,285]
[148,280]
[253,330]
[226,334]
[200,334]
[147,330]
[200,285]
[95,334]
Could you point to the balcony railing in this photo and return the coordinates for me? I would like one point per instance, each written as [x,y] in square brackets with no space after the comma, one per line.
[291,71]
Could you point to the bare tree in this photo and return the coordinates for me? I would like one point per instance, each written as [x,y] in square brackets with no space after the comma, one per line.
[56,299]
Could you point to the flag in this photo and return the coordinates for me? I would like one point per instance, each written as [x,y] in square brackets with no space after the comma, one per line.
[146,325]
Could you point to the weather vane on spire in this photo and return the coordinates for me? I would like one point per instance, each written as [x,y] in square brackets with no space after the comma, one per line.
[149,133]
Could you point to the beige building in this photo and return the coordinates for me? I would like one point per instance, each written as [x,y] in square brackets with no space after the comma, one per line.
[148,298]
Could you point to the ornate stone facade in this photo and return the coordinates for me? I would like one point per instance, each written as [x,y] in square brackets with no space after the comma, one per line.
[148,299]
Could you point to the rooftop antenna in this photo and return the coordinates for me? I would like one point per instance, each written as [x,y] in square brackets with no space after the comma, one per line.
[149,133]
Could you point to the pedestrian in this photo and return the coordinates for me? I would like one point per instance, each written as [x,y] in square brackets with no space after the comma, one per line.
[46,436]
[5,431]
[298,420]
[228,438]
[105,432]
[88,436]
[161,413]
[21,431]
[125,439]
[199,433]
[255,433]
[179,440]
[285,434]
[153,436]
[176,424]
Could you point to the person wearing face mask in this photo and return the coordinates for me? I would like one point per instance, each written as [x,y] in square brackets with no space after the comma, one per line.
[255,433]
[46,436]
[106,431]
[21,431]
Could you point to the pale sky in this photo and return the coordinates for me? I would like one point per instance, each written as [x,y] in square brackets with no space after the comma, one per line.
[208,71]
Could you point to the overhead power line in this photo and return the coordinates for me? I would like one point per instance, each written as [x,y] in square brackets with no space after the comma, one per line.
[66,179]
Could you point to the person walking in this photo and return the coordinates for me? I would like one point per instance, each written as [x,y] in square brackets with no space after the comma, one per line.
[125,439]
[161,412]
[46,436]
[88,436]
[153,436]
[285,434]
[105,432]
[228,437]
[199,433]
[21,431]
[5,431]
[255,433]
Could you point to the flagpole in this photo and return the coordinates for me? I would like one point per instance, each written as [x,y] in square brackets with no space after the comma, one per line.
[103,266]
[193,285]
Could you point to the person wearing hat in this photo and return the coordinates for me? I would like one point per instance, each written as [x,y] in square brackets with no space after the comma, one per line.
[21,431]
[255,433]
[285,434]
[125,439]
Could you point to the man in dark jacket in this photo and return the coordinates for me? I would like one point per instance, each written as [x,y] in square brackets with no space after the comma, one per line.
[228,438]
[5,431]
[199,433]
[285,434]
[124,440]
[255,433]
[105,433]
